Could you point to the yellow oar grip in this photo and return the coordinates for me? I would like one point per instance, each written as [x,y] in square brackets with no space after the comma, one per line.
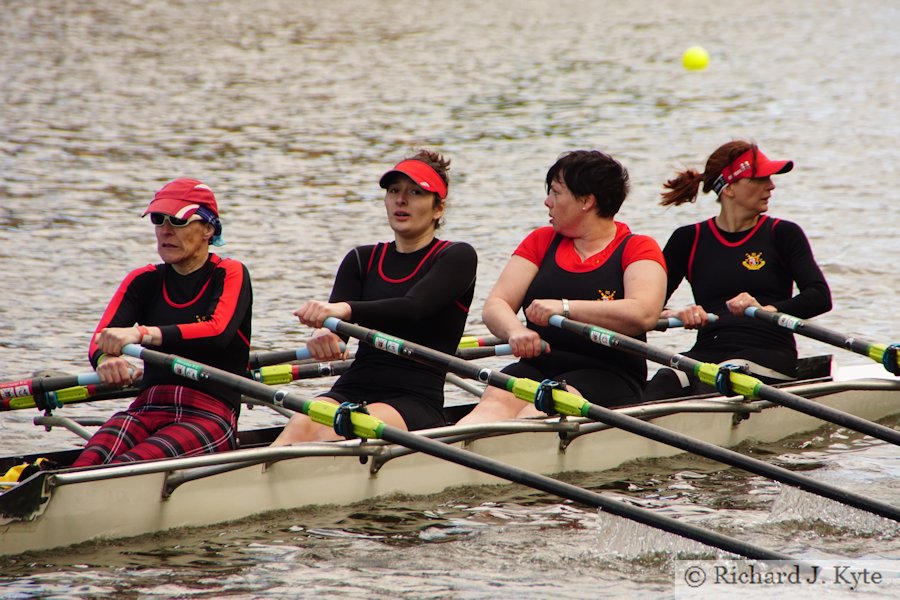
[741,383]
[72,394]
[274,374]
[468,342]
[365,426]
[565,403]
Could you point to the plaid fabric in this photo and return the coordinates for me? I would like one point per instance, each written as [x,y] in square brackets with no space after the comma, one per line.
[163,421]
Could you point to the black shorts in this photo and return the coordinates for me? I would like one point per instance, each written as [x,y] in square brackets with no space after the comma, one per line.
[598,386]
[418,411]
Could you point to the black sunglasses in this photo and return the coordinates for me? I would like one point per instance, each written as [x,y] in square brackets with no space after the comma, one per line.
[159,218]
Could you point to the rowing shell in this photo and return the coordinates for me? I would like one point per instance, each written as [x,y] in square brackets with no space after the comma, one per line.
[64,507]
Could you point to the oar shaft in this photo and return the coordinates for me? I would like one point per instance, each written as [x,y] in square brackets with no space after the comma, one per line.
[741,461]
[363,426]
[39,385]
[817,332]
[570,404]
[742,384]
[577,494]
[286,373]
[265,359]
[471,341]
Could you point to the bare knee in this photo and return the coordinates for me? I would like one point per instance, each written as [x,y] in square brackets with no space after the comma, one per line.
[495,405]
[299,428]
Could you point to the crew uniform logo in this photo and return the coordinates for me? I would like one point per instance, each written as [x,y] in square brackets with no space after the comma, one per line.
[753,261]
[604,295]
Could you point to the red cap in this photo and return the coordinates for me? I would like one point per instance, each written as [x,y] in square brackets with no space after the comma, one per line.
[181,198]
[743,168]
[421,173]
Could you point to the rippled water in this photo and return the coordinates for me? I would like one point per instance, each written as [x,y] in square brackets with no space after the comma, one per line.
[291,110]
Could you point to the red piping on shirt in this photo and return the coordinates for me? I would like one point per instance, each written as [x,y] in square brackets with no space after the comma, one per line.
[440,246]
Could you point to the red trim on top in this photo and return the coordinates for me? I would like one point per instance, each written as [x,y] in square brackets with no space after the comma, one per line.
[224,311]
[372,257]
[243,337]
[215,260]
[465,309]
[724,242]
[189,302]
[441,245]
[693,251]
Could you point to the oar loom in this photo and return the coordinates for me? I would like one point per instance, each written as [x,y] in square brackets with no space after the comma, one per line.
[368,427]
[728,382]
[885,354]
[570,404]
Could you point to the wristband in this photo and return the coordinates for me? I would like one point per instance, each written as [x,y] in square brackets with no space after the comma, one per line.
[146,338]
[565,304]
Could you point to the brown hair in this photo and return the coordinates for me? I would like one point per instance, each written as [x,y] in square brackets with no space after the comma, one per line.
[685,186]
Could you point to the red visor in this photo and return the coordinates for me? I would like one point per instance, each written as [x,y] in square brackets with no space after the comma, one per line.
[421,173]
[743,168]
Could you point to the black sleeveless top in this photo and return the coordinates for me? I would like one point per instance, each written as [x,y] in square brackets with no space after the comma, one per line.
[569,350]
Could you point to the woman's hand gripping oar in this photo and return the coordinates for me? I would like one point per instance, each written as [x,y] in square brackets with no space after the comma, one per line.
[546,397]
[366,426]
[888,355]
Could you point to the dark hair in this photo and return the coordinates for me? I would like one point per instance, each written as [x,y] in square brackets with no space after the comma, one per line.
[685,186]
[587,172]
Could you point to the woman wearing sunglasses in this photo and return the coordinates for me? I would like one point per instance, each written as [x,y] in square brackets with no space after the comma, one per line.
[194,304]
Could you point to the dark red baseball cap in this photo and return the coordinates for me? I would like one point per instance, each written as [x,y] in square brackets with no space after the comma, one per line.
[182,197]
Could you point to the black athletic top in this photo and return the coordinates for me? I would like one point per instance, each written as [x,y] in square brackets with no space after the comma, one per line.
[422,296]
[203,316]
[765,261]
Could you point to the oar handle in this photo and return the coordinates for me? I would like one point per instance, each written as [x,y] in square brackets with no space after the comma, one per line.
[275,357]
[471,341]
[484,351]
[670,322]
[280,374]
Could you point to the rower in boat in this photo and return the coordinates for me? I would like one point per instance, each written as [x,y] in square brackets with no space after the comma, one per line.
[194,304]
[418,287]
[589,266]
[739,259]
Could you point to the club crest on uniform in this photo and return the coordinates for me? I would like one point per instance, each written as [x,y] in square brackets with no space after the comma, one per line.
[753,261]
